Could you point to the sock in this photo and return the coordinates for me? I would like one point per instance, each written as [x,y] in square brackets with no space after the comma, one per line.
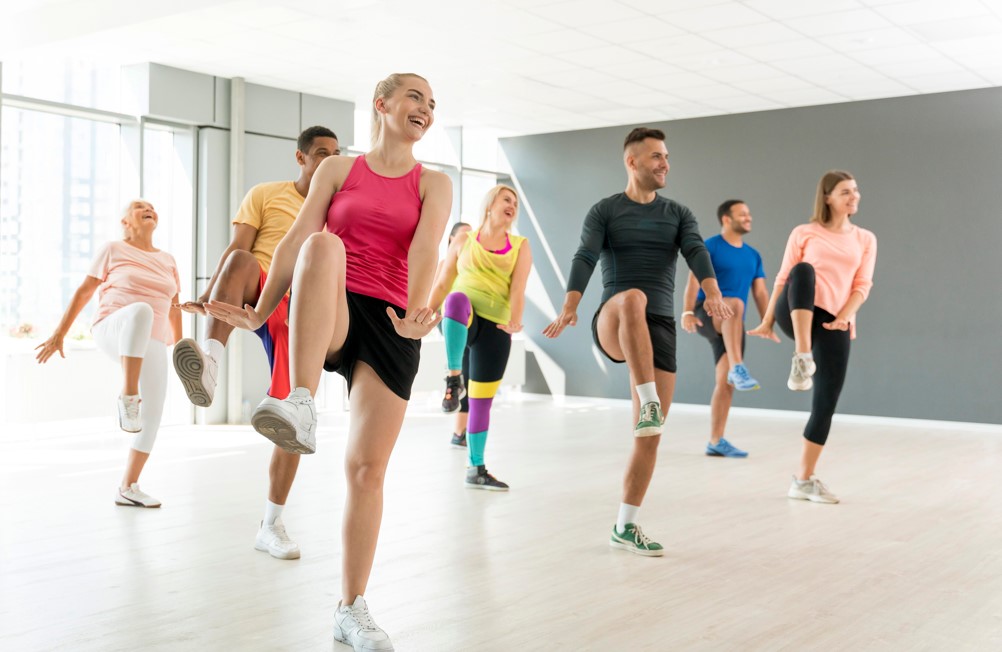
[272,512]
[214,348]
[648,393]
[806,356]
[455,342]
[627,514]
[476,442]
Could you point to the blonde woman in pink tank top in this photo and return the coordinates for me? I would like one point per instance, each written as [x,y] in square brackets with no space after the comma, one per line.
[137,319]
[364,250]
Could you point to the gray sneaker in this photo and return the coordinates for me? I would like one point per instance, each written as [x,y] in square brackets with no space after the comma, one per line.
[353,625]
[477,477]
[291,424]
[811,489]
[800,374]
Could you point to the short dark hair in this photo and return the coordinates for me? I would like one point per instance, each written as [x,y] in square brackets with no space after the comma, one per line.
[456,227]
[306,138]
[641,134]
[725,208]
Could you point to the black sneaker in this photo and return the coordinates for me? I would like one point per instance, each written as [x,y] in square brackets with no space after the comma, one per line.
[455,390]
[477,477]
[459,441]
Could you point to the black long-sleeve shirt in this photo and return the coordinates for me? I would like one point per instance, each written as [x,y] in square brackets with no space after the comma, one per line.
[638,245]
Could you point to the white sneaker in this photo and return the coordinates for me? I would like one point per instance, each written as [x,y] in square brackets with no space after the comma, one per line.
[800,373]
[354,626]
[133,497]
[273,540]
[129,417]
[291,424]
[197,370]
[811,489]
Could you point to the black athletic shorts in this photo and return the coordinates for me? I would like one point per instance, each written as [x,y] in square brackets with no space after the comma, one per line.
[373,340]
[662,331]
[710,333]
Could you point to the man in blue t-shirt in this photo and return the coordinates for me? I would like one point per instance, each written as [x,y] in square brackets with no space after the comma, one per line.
[739,269]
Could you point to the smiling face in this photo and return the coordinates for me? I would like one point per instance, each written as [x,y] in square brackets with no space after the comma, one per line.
[140,218]
[739,220]
[319,149]
[843,198]
[647,163]
[504,209]
[407,110]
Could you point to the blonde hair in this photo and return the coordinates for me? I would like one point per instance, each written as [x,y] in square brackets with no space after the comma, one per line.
[489,198]
[385,89]
[830,179]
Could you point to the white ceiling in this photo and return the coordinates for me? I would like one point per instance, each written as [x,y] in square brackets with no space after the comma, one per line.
[528,66]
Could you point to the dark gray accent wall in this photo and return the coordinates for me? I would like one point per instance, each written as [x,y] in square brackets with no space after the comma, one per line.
[928,166]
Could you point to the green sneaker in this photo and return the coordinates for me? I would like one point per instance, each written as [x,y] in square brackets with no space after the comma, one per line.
[650,421]
[634,540]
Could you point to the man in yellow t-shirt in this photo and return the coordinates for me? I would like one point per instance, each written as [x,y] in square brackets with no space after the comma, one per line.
[265,216]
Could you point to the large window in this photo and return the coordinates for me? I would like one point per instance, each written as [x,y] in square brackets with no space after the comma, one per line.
[61,200]
[77,82]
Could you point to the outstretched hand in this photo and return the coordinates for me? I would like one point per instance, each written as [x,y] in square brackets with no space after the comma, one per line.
[838,325]
[717,307]
[414,326]
[49,348]
[511,327]
[197,307]
[564,319]
[246,317]
[690,323]
[764,331]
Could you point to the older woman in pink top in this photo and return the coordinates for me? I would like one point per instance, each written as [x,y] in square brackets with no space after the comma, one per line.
[137,318]
[826,276]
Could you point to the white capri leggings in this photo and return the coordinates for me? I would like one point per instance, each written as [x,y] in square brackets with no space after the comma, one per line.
[126,332]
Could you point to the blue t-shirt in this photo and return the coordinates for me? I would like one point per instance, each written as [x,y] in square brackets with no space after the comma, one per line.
[736,268]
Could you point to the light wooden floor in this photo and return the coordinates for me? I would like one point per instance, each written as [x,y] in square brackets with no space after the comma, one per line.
[911,559]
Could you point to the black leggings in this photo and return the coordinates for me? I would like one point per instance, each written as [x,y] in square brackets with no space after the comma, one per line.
[490,347]
[830,349]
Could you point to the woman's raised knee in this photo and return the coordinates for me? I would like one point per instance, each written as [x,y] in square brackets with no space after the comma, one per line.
[322,247]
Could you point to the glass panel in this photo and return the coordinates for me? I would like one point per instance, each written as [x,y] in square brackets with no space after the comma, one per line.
[81,83]
[61,201]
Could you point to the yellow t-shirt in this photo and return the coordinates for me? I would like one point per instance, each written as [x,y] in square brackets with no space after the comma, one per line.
[485,277]
[271,208]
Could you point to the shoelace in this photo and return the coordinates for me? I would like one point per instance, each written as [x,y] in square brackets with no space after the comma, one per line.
[641,538]
[741,373]
[648,412]
[819,487]
[280,534]
[364,619]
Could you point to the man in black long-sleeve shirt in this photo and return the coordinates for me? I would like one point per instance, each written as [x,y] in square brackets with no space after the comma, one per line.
[637,235]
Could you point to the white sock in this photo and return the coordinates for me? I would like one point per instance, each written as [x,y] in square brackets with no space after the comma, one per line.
[272,512]
[214,348]
[806,356]
[648,393]
[627,514]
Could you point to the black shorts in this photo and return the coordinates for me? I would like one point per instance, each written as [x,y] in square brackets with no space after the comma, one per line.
[373,340]
[710,333]
[662,331]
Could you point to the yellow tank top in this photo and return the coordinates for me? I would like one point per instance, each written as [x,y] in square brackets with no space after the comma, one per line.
[485,277]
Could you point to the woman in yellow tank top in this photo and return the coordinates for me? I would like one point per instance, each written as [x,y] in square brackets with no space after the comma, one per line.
[482,283]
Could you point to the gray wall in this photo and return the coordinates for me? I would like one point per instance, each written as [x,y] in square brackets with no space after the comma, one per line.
[927,166]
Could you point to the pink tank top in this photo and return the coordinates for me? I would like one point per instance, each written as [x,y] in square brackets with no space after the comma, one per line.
[375,217]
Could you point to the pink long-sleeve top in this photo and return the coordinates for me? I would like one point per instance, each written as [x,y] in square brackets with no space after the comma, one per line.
[843,263]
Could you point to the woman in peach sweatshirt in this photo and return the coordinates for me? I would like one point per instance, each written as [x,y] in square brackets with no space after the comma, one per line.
[826,275]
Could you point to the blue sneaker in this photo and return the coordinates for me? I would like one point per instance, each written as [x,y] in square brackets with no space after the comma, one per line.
[723,448]
[741,379]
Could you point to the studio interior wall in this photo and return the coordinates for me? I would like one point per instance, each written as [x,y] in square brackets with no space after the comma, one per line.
[928,337]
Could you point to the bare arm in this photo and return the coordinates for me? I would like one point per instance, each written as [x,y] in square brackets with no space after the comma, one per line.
[516,293]
[312,218]
[568,315]
[448,272]
[174,316]
[760,294]
[848,311]
[80,299]
[422,257]
[689,321]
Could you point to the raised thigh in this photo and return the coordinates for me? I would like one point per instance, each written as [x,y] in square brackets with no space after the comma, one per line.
[489,352]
